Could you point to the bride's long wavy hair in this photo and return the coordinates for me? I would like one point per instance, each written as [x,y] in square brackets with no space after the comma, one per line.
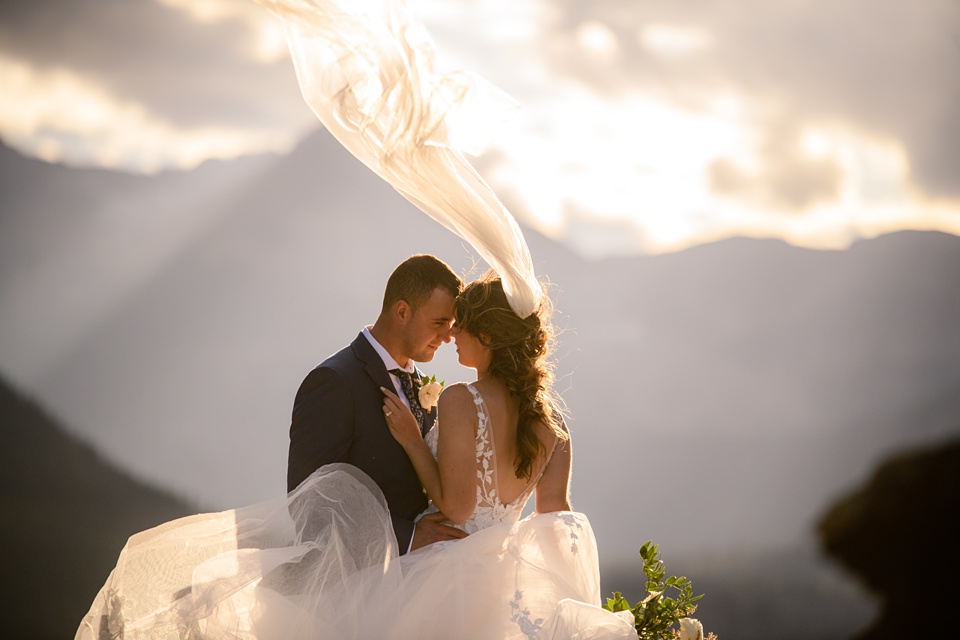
[519,349]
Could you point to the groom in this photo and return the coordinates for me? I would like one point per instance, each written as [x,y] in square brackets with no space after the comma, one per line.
[338,415]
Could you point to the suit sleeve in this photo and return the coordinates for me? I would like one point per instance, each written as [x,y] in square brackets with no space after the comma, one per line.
[322,427]
[403,529]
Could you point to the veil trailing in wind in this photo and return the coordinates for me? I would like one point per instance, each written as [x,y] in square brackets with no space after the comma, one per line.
[366,68]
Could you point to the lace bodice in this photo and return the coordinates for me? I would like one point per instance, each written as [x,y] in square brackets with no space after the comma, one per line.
[490,509]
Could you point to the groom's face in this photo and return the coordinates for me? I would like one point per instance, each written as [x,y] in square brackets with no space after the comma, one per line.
[428,327]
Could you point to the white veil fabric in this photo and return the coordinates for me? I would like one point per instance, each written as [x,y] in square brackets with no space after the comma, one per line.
[322,563]
[278,570]
[366,68]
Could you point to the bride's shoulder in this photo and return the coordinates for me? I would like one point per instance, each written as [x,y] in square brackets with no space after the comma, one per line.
[457,407]
[457,390]
[457,394]
[553,434]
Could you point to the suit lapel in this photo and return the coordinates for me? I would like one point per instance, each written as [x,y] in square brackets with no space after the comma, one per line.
[373,364]
[375,368]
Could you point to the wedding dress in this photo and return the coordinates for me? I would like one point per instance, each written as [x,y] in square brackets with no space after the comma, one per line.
[323,563]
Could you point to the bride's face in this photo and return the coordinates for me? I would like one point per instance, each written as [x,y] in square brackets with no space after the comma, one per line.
[428,327]
[470,351]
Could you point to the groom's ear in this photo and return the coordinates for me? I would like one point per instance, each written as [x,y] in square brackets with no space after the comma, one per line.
[401,308]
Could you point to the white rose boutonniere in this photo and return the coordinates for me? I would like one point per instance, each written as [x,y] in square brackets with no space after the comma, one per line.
[429,392]
[690,629]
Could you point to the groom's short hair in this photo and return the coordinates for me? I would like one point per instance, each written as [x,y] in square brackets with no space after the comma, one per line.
[415,279]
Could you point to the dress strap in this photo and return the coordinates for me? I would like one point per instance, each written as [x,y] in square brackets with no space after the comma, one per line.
[484,433]
[477,398]
[488,486]
[543,467]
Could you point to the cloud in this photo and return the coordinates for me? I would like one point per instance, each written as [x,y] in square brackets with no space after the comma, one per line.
[59,116]
[887,69]
[139,85]
[786,175]
[815,122]
[674,41]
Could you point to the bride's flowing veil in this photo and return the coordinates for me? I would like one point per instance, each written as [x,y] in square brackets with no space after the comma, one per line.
[280,569]
[366,68]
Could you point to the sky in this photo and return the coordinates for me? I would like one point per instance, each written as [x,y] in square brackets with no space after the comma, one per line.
[643,127]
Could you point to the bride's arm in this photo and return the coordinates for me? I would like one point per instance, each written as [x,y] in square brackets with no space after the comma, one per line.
[451,483]
[553,490]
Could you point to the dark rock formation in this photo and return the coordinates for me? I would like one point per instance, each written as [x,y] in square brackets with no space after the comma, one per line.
[900,535]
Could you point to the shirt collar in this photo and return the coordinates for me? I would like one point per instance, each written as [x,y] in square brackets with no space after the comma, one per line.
[388,360]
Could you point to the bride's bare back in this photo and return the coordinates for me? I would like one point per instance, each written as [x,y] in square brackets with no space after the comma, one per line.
[475,443]
[503,419]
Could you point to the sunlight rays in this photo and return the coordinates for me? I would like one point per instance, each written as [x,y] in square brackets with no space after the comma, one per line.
[60,116]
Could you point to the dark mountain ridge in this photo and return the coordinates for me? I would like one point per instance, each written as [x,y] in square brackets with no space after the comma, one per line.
[67,514]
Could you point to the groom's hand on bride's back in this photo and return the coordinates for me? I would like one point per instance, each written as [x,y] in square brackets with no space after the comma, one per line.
[430,529]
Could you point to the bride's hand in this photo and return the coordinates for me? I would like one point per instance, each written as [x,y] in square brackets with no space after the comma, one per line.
[400,419]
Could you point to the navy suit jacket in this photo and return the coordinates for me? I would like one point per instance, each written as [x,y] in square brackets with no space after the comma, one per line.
[338,417]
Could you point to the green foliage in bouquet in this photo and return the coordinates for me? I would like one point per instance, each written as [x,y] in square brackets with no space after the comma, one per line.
[656,614]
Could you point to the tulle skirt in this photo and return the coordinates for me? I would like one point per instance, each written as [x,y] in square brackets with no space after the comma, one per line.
[323,563]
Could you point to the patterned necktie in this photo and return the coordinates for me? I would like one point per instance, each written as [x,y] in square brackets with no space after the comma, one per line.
[411,388]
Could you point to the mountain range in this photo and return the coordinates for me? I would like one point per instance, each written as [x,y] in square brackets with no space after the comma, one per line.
[719,396]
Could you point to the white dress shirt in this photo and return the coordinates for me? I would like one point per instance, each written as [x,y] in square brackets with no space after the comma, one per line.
[390,363]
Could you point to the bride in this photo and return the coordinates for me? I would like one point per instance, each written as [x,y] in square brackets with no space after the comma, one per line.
[324,562]
[496,442]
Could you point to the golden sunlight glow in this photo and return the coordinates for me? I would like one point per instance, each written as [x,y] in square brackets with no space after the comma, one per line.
[500,20]
[816,144]
[43,113]
[270,44]
[674,41]
[598,41]
[641,167]
[640,163]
